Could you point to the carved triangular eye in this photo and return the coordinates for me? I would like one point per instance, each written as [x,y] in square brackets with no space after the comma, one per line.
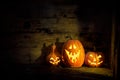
[70,47]
[99,56]
[91,55]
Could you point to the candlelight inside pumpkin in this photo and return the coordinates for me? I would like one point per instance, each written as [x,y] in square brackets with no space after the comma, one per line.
[94,59]
[54,57]
[73,53]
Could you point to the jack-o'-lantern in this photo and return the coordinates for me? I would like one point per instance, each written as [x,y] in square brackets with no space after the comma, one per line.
[54,57]
[73,53]
[94,59]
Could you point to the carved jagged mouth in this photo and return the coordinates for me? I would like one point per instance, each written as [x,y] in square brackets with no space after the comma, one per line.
[73,56]
[54,61]
[95,63]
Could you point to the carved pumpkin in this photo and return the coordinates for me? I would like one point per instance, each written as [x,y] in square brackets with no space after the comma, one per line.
[54,57]
[73,53]
[94,59]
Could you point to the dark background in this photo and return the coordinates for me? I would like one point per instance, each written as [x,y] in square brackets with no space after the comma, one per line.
[101,13]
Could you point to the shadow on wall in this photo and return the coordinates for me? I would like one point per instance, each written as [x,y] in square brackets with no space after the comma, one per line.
[45,51]
[59,45]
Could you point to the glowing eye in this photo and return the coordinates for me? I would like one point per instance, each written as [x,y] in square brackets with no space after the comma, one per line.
[99,56]
[74,46]
[70,47]
[91,55]
[51,59]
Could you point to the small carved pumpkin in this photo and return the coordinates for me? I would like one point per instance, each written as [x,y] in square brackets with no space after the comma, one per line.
[94,59]
[54,57]
[73,53]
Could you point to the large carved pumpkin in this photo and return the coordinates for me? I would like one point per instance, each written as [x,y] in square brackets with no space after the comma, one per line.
[73,53]
[94,59]
[54,57]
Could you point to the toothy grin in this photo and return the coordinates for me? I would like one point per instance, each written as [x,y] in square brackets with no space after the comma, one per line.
[54,61]
[73,56]
[95,63]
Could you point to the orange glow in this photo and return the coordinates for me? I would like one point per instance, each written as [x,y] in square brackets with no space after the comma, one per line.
[54,57]
[73,53]
[73,56]
[54,61]
[94,59]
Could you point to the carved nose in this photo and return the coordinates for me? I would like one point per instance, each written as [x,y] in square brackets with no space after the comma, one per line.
[94,59]
[73,53]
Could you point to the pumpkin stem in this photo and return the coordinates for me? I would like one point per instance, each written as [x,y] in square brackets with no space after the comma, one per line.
[94,48]
[53,48]
[70,37]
